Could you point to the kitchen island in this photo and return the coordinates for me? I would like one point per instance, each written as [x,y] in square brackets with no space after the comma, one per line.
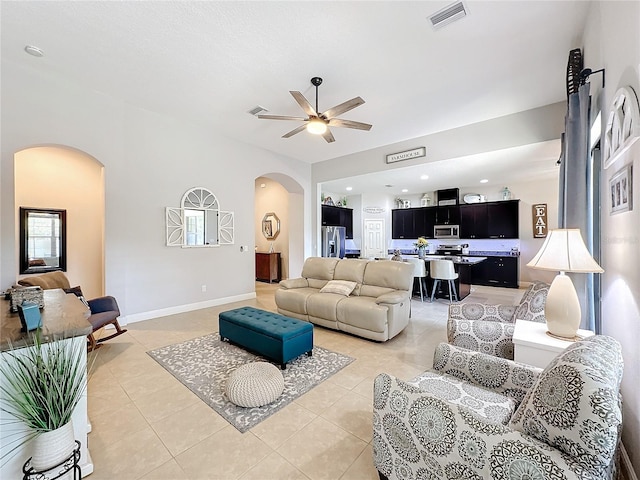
[64,319]
[463,266]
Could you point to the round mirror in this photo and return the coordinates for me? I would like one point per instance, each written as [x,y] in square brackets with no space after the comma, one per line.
[270,226]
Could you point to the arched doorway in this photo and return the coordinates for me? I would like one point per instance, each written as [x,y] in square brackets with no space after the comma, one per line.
[282,195]
[58,177]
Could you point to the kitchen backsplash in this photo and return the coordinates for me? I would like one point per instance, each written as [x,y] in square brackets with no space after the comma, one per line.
[485,245]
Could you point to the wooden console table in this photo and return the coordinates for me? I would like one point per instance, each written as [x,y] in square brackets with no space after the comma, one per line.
[268,267]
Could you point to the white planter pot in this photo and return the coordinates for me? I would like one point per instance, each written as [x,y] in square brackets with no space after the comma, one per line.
[51,448]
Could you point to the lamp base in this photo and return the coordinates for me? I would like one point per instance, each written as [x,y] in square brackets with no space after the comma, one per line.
[562,308]
[574,339]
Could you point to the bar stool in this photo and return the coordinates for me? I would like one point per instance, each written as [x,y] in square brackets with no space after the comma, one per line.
[443,270]
[419,272]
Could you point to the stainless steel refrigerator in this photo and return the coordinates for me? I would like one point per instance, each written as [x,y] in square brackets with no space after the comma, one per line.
[333,241]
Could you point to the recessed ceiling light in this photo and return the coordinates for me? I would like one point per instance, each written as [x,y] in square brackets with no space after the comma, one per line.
[263,185]
[484,180]
[405,190]
[349,189]
[35,51]
[424,177]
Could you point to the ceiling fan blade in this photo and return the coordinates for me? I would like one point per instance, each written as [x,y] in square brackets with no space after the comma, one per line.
[304,103]
[281,117]
[343,107]
[294,131]
[328,136]
[338,122]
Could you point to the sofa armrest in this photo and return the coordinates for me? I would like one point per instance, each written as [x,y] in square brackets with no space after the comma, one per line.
[392,298]
[481,311]
[294,283]
[486,336]
[414,433]
[498,374]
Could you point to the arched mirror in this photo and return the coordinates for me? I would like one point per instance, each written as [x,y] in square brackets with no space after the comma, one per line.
[270,226]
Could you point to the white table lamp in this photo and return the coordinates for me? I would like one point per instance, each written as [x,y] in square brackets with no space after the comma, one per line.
[564,250]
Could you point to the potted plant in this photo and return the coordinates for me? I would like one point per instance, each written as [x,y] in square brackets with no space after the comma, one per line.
[42,385]
[421,246]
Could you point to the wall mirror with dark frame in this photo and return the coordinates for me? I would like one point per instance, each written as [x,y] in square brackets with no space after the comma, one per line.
[43,240]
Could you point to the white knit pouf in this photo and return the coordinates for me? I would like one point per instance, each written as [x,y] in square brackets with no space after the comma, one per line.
[254,384]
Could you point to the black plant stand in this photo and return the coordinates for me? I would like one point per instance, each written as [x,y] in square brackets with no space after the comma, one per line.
[68,464]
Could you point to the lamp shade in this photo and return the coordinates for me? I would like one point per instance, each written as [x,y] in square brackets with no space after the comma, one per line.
[564,250]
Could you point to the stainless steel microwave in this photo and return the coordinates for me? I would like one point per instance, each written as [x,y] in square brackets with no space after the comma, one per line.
[446,231]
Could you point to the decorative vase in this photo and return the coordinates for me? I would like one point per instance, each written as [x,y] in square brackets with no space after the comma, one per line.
[422,252]
[52,448]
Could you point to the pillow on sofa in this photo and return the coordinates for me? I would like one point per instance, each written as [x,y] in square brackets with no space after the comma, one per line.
[341,287]
[574,404]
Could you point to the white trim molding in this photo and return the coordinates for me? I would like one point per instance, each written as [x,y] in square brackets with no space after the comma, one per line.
[623,125]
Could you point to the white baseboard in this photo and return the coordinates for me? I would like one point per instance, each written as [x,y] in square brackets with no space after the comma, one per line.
[627,467]
[163,312]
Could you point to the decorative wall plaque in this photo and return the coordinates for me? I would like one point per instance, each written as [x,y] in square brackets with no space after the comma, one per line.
[539,216]
[623,125]
[407,155]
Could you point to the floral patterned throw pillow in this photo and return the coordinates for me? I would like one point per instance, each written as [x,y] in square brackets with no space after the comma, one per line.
[575,406]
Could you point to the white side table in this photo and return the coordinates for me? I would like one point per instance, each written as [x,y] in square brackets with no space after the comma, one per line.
[533,346]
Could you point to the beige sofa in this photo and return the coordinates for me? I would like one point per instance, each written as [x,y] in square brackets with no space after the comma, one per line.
[377,308]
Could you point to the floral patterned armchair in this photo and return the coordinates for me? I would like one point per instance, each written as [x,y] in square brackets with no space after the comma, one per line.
[476,416]
[489,328]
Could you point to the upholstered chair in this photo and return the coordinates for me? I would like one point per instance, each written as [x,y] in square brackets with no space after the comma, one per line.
[489,328]
[477,416]
[104,310]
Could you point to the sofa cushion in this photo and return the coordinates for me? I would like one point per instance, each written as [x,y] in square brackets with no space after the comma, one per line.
[341,287]
[388,274]
[574,404]
[490,337]
[46,281]
[319,268]
[294,300]
[351,269]
[324,305]
[363,312]
[489,404]
[531,306]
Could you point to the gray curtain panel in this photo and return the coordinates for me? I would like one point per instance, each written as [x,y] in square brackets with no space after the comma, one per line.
[578,191]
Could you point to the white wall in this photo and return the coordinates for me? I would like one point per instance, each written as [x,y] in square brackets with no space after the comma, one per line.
[150,160]
[50,177]
[612,41]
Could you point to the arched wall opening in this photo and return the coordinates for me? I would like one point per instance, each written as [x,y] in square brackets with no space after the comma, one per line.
[283,196]
[59,177]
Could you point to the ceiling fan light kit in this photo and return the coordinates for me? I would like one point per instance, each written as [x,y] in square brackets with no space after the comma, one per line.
[319,123]
[316,126]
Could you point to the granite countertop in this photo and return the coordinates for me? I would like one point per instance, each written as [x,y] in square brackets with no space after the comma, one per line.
[63,316]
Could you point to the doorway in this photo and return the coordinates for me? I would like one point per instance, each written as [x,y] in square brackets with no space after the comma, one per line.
[374,241]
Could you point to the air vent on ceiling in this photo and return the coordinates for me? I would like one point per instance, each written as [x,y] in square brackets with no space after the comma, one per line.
[449,14]
[257,109]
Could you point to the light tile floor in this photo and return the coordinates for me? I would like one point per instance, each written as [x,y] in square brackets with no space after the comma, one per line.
[147,425]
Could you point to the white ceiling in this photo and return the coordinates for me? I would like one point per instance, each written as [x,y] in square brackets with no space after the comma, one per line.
[211,62]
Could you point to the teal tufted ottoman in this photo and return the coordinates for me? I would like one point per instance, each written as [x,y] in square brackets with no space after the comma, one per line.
[271,335]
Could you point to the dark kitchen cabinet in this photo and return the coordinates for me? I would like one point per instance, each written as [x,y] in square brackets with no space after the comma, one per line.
[473,221]
[402,223]
[338,217]
[502,219]
[424,221]
[448,215]
[496,272]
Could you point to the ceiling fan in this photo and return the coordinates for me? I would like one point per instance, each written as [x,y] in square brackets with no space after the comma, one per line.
[319,123]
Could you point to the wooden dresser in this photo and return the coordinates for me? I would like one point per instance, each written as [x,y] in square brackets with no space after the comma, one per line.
[268,267]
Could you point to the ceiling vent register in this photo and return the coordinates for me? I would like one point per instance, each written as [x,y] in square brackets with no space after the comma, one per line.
[448,14]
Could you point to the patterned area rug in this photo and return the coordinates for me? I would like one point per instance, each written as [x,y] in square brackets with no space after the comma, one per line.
[204,363]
